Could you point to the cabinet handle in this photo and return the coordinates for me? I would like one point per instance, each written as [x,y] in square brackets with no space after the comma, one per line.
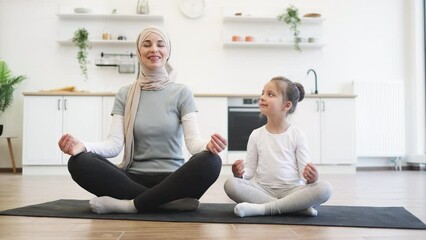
[318,106]
[65,104]
[59,104]
[323,106]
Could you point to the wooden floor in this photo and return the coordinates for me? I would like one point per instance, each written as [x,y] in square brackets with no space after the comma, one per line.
[381,188]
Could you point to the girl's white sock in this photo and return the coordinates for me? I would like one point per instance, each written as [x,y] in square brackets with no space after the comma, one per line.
[308,212]
[249,209]
[105,204]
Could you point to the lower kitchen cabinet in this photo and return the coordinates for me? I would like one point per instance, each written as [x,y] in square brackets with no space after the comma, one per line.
[46,118]
[329,124]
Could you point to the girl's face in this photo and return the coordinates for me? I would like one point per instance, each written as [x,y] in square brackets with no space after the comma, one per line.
[153,52]
[272,101]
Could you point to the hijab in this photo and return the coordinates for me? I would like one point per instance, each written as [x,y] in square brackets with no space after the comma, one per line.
[148,79]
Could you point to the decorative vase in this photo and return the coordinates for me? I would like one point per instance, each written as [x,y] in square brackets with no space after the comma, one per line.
[142,7]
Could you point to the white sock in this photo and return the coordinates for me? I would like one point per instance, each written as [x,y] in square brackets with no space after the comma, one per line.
[183,204]
[105,204]
[308,212]
[249,209]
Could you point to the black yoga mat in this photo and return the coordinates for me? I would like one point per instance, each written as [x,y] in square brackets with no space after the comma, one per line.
[343,216]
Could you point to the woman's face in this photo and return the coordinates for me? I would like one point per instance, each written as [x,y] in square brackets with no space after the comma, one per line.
[153,51]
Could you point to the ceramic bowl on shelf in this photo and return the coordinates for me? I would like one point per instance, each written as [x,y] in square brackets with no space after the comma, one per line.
[82,10]
[313,40]
[312,15]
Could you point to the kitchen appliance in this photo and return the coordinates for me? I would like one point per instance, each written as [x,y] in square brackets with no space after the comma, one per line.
[243,117]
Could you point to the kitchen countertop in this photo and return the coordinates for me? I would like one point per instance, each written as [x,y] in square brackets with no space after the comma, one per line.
[68,93]
[86,93]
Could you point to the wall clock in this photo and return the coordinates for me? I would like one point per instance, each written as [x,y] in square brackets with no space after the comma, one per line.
[192,8]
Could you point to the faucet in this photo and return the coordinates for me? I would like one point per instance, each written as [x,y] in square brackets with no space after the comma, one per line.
[316,80]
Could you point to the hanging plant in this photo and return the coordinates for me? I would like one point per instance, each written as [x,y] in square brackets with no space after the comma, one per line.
[81,40]
[292,19]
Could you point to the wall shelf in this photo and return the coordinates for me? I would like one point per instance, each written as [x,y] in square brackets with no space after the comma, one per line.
[99,42]
[141,17]
[256,25]
[272,45]
[97,18]
[260,19]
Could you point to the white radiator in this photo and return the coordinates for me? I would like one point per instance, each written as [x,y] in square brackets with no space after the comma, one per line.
[380,118]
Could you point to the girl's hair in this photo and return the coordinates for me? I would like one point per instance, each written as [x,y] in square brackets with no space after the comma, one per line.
[291,91]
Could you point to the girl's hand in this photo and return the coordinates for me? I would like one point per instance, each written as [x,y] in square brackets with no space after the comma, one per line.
[70,145]
[216,144]
[310,173]
[238,168]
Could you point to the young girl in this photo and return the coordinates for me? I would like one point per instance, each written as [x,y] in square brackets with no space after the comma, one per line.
[276,177]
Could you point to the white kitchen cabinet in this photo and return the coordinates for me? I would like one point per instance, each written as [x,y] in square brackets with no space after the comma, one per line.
[329,124]
[213,118]
[46,118]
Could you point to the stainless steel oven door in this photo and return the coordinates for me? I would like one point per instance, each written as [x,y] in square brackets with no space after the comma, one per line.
[241,122]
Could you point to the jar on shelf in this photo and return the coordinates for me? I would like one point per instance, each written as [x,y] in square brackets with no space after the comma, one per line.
[106,35]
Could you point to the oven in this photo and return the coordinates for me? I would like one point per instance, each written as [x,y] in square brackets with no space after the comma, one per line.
[243,117]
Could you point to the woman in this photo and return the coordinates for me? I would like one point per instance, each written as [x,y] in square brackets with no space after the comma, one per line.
[150,118]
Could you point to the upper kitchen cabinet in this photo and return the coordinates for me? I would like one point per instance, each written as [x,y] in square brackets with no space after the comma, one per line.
[261,31]
[105,29]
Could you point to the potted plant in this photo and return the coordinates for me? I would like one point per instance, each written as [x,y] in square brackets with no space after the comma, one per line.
[8,84]
[81,40]
[291,18]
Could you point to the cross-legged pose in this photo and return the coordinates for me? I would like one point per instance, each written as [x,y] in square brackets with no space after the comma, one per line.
[151,117]
[276,176]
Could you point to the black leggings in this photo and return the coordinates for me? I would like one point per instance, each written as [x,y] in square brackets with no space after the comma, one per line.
[99,176]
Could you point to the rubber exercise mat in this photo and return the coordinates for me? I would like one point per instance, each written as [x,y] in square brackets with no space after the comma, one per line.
[343,216]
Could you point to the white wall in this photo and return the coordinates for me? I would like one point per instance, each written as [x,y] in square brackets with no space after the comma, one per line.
[366,39]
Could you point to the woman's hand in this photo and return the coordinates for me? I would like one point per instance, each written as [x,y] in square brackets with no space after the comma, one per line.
[216,144]
[70,145]
[238,168]
[310,173]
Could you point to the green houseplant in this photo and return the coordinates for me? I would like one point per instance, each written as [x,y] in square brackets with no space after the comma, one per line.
[292,19]
[81,40]
[8,84]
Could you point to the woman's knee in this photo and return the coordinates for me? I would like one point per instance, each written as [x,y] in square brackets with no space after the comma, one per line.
[75,161]
[79,162]
[208,161]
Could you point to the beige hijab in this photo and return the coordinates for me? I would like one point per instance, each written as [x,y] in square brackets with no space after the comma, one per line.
[147,80]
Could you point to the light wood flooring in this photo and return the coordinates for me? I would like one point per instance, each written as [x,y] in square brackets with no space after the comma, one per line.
[366,188]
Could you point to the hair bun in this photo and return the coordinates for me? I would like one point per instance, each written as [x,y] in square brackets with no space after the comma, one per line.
[301,91]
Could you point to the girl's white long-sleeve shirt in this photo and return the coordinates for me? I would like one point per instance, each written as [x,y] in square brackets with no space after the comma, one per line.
[275,160]
[114,143]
